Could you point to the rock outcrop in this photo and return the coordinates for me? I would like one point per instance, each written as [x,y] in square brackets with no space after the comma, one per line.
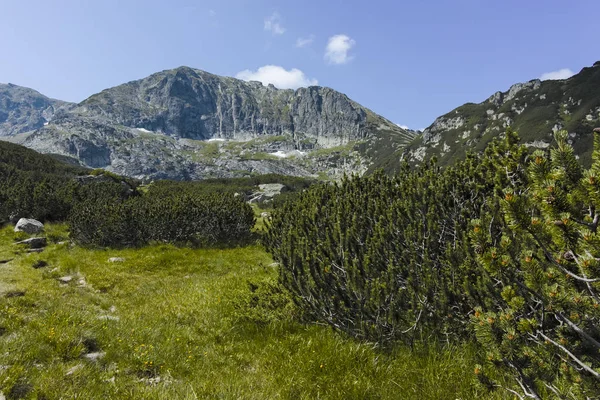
[23,109]
[30,226]
[188,124]
[535,109]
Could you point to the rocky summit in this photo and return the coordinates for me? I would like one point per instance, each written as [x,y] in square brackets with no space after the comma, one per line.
[189,124]
[23,109]
[535,109]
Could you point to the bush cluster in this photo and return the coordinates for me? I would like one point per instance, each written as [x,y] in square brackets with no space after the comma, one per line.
[501,248]
[201,219]
[34,185]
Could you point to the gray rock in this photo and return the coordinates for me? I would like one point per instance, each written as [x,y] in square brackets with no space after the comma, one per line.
[108,318]
[94,356]
[65,279]
[35,250]
[74,369]
[116,260]
[14,293]
[29,225]
[267,192]
[34,243]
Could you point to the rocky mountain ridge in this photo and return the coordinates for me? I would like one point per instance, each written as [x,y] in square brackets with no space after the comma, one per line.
[534,109]
[23,109]
[190,124]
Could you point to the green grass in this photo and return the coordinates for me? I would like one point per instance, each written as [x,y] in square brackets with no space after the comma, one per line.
[171,324]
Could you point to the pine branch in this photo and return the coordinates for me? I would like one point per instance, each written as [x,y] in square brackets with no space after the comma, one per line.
[573,357]
[577,329]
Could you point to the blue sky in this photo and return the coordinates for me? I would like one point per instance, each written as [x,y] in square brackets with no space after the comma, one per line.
[409,61]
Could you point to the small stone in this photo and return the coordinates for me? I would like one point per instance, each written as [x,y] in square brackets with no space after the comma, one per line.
[29,225]
[116,259]
[112,309]
[95,356]
[74,369]
[265,215]
[108,318]
[65,279]
[81,282]
[34,250]
[14,293]
[40,264]
[34,243]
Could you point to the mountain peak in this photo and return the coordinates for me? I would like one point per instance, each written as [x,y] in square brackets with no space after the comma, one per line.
[535,109]
[186,123]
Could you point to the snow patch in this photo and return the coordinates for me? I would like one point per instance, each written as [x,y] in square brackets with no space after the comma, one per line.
[144,130]
[283,154]
[216,140]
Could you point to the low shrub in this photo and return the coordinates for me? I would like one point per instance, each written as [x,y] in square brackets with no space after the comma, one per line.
[199,220]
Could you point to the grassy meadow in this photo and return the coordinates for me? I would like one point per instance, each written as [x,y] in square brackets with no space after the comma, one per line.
[173,323]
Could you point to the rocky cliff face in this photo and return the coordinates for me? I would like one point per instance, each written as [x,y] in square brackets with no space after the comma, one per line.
[534,109]
[23,110]
[189,124]
[194,104]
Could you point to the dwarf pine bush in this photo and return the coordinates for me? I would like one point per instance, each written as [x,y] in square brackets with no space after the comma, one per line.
[204,219]
[381,257]
[541,322]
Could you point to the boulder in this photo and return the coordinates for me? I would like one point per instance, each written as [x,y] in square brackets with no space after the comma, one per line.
[34,243]
[29,226]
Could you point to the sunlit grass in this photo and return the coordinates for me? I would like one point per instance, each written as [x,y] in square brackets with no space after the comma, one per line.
[167,322]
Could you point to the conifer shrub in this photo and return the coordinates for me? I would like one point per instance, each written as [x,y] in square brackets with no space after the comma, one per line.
[180,218]
[42,196]
[383,258]
[540,323]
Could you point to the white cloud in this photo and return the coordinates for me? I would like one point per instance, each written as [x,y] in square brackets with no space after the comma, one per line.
[212,13]
[560,74]
[305,41]
[273,24]
[337,49]
[278,76]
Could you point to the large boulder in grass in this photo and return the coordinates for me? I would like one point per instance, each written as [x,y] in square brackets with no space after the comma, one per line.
[30,226]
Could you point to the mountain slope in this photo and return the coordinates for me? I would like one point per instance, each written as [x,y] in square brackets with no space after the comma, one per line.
[23,109]
[534,109]
[189,124]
